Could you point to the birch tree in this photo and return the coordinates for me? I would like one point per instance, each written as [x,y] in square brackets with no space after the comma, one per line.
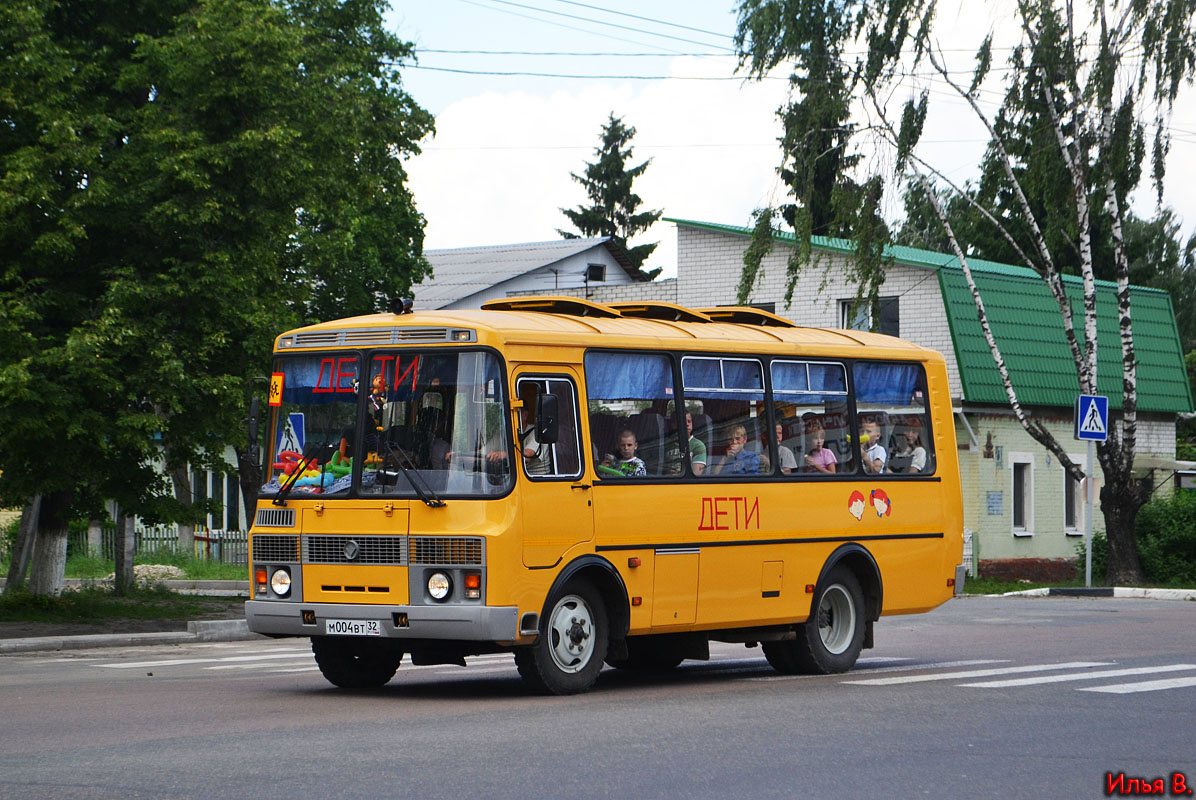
[1098,86]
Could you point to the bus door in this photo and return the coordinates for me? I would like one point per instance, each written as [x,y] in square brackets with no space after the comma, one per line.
[554,497]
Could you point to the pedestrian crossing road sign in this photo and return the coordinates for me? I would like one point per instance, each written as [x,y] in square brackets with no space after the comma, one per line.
[1092,418]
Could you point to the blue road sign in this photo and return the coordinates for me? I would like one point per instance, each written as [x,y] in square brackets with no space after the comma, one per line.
[291,435]
[1092,418]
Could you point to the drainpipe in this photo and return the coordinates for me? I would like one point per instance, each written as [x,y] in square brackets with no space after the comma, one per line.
[967,426]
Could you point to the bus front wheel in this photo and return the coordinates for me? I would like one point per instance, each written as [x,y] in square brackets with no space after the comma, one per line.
[569,651]
[355,663]
[831,639]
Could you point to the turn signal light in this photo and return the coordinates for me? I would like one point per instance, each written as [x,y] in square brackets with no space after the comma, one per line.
[634,562]
[809,588]
[950,581]
[260,576]
[473,581]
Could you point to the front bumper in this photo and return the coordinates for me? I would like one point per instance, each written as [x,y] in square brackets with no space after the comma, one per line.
[450,623]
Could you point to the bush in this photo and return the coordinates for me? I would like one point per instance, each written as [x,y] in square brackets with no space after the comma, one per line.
[1100,558]
[1166,531]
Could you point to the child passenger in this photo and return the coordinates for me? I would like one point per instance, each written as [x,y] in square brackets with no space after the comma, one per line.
[627,463]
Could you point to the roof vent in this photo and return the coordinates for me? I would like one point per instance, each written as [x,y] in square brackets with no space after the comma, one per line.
[572,306]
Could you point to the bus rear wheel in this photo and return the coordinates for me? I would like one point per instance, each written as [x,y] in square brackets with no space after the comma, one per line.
[355,663]
[569,651]
[830,641]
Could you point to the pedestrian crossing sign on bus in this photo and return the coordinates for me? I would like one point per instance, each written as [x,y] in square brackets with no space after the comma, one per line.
[1092,418]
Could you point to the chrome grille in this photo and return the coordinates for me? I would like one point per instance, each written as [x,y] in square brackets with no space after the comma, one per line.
[275,518]
[353,550]
[273,547]
[466,550]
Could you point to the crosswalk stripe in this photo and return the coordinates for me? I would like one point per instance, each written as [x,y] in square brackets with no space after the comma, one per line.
[1144,686]
[877,670]
[979,673]
[174,662]
[1083,676]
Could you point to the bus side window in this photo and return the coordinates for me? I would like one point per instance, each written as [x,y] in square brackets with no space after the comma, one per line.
[891,401]
[627,393]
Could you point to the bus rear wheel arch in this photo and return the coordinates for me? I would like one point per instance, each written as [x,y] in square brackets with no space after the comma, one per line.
[831,639]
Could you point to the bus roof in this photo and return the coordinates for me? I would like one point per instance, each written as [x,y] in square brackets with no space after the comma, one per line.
[572,321]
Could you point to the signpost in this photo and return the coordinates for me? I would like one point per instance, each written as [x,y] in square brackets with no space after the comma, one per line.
[1091,425]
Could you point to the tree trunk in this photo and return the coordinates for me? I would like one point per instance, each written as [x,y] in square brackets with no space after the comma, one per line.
[251,479]
[23,547]
[49,548]
[126,548]
[1119,503]
[181,478]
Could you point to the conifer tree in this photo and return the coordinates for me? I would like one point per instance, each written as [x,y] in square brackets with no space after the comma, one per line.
[613,210]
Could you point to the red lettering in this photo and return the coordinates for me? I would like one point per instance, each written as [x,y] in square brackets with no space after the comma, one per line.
[1157,787]
[412,370]
[755,509]
[719,513]
[704,525]
[735,502]
[319,387]
[1179,784]
[382,360]
[342,373]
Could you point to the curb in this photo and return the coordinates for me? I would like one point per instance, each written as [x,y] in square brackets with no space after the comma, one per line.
[1104,591]
[213,630]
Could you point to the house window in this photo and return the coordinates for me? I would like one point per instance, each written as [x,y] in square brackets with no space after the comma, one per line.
[858,316]
[595,272]
[1022,472]
[1073,501]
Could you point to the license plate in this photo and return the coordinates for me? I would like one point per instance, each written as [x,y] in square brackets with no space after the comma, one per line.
[352,627]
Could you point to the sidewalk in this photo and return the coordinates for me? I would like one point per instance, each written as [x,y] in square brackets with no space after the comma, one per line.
[211,630]
[1103,591]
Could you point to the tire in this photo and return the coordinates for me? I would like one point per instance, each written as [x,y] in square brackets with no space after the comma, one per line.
[830,641]
[569,651]
[649,654]
[355,663]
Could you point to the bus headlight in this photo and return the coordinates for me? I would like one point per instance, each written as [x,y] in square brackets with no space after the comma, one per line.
[439,585]
[280,582]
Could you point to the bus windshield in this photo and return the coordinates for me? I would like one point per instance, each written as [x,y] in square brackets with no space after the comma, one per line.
[432,418]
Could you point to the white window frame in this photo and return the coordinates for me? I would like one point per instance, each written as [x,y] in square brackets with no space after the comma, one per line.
[1027,495]
[1080,497]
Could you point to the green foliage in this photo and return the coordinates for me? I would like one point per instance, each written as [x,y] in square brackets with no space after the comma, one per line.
[818,157]
[94,605]
[1100,558]
[180,180]
[1166,531]
[608,183]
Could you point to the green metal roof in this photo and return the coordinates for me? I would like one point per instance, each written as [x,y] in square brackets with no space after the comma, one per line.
[1026,324]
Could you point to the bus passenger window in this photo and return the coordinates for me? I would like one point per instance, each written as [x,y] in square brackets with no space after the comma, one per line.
[892,414]
[630,394]
[810,407]
[731,393]
[561,458]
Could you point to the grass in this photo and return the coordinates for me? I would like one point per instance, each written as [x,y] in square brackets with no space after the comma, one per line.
[995,586]
[94,605]
[197,569]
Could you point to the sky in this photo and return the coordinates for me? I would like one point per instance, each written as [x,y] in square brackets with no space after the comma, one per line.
[521,89]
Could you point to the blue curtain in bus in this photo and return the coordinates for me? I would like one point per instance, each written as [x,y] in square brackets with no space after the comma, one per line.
[318,380]
[615,376]
[885,383]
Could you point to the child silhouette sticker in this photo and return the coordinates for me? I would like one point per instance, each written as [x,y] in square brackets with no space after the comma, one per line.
[856,504]
[880,501]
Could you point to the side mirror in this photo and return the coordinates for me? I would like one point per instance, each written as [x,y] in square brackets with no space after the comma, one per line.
[548,425]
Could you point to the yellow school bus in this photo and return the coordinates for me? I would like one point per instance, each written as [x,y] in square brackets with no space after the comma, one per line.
[580,484]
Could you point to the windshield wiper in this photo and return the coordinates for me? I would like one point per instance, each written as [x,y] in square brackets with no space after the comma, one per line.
[399,455]
[301,466]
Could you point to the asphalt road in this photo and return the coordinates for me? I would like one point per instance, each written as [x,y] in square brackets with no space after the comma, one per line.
[984,697]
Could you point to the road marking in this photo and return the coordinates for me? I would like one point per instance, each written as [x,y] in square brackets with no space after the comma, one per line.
[1084,676]
[172,662]
[979,673]
[900,668]
[1144,686]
